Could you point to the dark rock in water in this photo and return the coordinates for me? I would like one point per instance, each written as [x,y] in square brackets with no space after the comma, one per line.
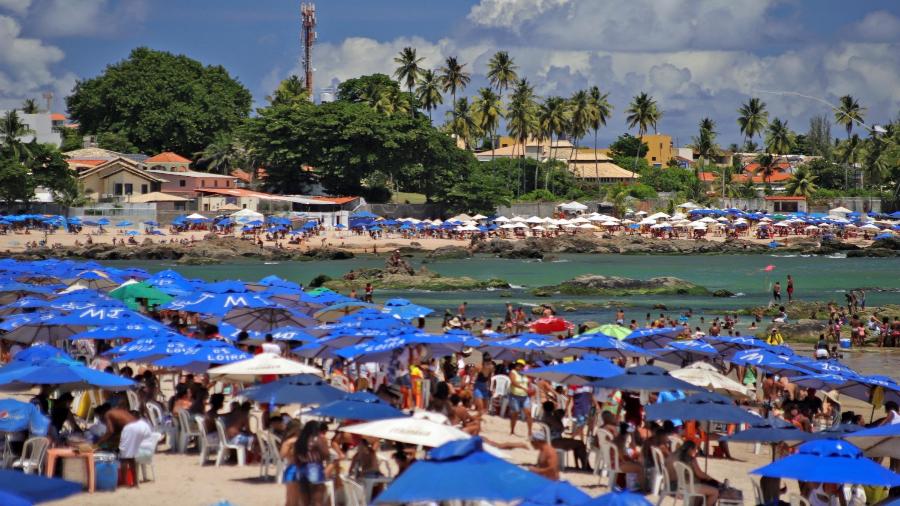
[722,293]
[661,307]
[449,252]
[329,254]
[614,285]
[195,260]
[319,280]
[873,252]
[892,243]
[399,274]
[804,329]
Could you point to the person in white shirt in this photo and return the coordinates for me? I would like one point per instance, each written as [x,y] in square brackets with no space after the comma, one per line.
[270,347]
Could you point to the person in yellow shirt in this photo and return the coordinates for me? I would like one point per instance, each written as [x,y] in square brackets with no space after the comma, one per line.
[519,399]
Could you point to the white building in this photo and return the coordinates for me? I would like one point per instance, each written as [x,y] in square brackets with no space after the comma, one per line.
[41,125]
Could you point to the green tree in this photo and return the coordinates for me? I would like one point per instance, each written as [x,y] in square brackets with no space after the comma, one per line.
[220,156]
[408,69]
[290,91]
[521,118]
[602,112]
[429,91]
[705,142]
[116,141]
[30,106]
[488,109]
[160,101]
[502,72]
[554,117]
[802,182]
[481,192]
[16,182]
[766,165]
[71,139]
[642,113]
[848,154]
[361,89]
[779,139]
[461,122]
[818,136]
[626,145]
[454,76]
[12,129]
[849,112]
[752,118]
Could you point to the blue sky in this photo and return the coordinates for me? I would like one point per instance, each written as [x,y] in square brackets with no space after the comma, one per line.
[697,57]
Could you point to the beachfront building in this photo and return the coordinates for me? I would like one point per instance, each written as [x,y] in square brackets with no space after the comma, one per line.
[117,180]
[595,166]
[659,149]
[785,204]
[84,159]
[41,128]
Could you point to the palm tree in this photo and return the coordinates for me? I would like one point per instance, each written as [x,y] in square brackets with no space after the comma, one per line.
[393,101]
[582,115]
[12,129]
[219,156]
[766,165]
[429,91]
[802,183]
[501,71]
[372,94]
[454,77]
[705,142]
[461,122]
[30,106]
[488,111]
[290,91]
[779,138]
[522,118]
[642,113]
[847,153]
[752,118]
[849,112]
[554,117]
[408,69]
[602,110]
[846,114]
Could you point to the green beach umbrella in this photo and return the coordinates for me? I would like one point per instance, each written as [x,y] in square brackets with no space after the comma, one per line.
[130,293]
[617,331]
[319,291]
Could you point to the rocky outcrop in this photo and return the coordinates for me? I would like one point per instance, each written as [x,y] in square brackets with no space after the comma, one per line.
[449,253]
[398,274]
[803,329]
[534,247]
[618,286]
[722,293]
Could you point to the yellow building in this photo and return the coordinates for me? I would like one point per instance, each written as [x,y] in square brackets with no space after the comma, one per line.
[118,178]
[659,149]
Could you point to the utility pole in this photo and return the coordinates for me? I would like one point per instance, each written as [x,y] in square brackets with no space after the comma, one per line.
[308,38]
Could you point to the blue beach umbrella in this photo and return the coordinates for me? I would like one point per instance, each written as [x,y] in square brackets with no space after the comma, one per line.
[216,304]
[578,372]
[462,462]
[703,406]
[124,223]
[45,327]
[559,493]
[20,489]
[299,389]
[618,498]
[103,316]
[103,221]
[602,344]
[62,372]
[336,311]
[121,331]
[646,378]
[653,338]
[265,319]
[830,461]
[685,352]
[153,348]
[200,357]
[406,310]
[768,361]
[39,352]
[357,406]
[770,430]
[18,416]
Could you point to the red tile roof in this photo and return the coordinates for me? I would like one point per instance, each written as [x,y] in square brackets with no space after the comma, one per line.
[56,116]
[785,197]
[167,157]
[336,200]
[777,177]
[778,166]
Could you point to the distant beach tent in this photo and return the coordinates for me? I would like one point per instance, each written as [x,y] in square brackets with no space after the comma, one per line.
[247,216]
[573,206]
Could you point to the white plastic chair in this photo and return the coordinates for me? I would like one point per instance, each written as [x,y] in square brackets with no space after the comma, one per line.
[203,443]
[33,453]
[499,391]
[661,484]
[686,489]
[354,495]
[341,382]
[595,453]
[757,492]
[279,463]
[797,500]
[187,430]
[144,457]
[134,403]
[270,455]
[224,446]
[154,412]
[610,462]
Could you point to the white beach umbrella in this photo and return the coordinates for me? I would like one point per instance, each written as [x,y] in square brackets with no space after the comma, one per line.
[641,213]
[508,226]
[627,222]
[479,217]
[811,228]
[534,220]
[679,216]
[707,219]
[707,376]
[587,226]
[539,228]
[647,221]
[517,219]
[501,219]
[658,216]
[688,205]
[581,220]
[246,371]
[766,219]
[870,227]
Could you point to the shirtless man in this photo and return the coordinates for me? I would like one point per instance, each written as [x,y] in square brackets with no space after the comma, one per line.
[121,425]
[460,416]
[547,461]
[771,393]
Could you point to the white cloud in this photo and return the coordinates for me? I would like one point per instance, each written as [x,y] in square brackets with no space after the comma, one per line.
[15,6]
[94,18]
[879,26]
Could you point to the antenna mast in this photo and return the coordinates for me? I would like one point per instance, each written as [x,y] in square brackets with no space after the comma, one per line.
[308,38]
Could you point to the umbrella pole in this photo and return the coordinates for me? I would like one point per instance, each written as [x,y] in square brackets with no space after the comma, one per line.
[706,452]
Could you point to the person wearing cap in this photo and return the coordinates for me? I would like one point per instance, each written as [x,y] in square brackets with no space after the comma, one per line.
[547,461]
[519,400]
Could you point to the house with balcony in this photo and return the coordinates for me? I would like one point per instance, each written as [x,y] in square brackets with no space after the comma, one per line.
[118,179]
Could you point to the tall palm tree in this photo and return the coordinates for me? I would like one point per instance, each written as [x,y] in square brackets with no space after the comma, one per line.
[487,112]
[705,144]
[802,182]
[642,113]
[554,117]
[12,129]
[372,94]
[393,101]
[582,115]
[429,91]
[502,71]
[454,76]
[766,165]
[290,91]
[779,138]
[408,70]
[752,118]
[30,106]
[461,121]
[849,112]
[220,156]
[602,110]
[522,118]
[847,153]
